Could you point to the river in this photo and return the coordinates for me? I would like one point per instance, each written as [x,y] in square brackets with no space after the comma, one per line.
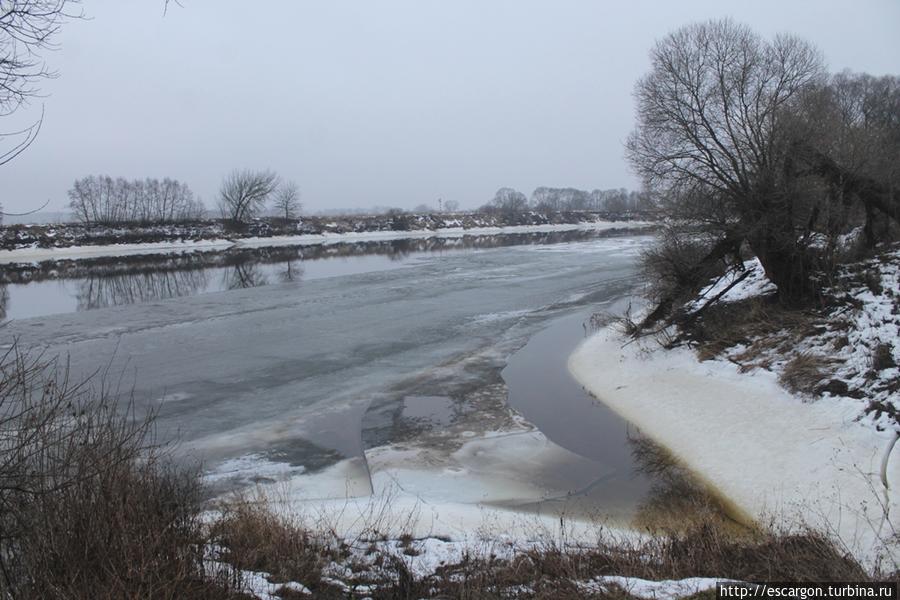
[438,366]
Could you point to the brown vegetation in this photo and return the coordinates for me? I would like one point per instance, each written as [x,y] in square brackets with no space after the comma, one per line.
[560,569]
[804,373]
[90,509]
[254,538]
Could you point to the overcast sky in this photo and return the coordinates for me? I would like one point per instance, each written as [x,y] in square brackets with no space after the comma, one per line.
[383,102]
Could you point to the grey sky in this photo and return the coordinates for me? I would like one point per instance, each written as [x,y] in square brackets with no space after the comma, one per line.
[379,102]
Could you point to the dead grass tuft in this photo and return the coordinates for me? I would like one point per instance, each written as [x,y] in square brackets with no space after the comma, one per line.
[255,538]
[752,323]
[804,373]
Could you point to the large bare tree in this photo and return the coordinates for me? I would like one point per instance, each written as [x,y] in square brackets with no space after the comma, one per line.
[746,140]
[27,29]
[244,194]
[709,137]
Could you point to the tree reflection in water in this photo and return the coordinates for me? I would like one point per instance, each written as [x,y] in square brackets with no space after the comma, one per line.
[242,276]
[117,280]
[677,500]
[130,288]
[291,272]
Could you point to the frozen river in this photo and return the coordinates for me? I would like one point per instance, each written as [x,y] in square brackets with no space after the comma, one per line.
[376,363]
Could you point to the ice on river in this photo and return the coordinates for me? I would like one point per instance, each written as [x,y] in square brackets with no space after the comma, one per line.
[321,382]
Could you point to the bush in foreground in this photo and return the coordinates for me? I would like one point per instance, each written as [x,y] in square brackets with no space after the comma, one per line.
[90,509]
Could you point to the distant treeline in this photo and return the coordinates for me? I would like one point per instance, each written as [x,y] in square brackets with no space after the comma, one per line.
[103,200]
[547,199]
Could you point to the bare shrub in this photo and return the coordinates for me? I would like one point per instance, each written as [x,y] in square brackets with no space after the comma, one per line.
[624,323]
[90,509]
[598,321]
[673,266]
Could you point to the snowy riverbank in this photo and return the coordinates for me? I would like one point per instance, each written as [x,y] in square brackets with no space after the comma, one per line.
[38,254]
[787,459]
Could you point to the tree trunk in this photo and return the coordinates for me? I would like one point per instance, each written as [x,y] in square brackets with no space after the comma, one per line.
[786,264]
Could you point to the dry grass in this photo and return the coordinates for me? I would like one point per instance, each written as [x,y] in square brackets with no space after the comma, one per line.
[753,323]
[804,373]
[255,538]
[259,539]
[553,570]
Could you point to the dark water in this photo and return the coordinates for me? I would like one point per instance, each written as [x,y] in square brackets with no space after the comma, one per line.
[636,476]
[541,388]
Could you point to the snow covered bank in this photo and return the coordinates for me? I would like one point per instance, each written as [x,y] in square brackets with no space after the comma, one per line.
[36,254]
[773,456]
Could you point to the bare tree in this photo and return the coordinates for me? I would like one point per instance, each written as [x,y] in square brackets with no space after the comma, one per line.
[287,200]
[244,194]
[748,141]
[291,272]
[21,140]
[244,275]
[560,199]
[507,201]
[104,200]
[848,134]
[710,139]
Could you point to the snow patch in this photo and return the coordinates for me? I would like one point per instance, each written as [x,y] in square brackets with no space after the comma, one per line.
[656,590]
[769,453]
[753,285]
[252,467]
